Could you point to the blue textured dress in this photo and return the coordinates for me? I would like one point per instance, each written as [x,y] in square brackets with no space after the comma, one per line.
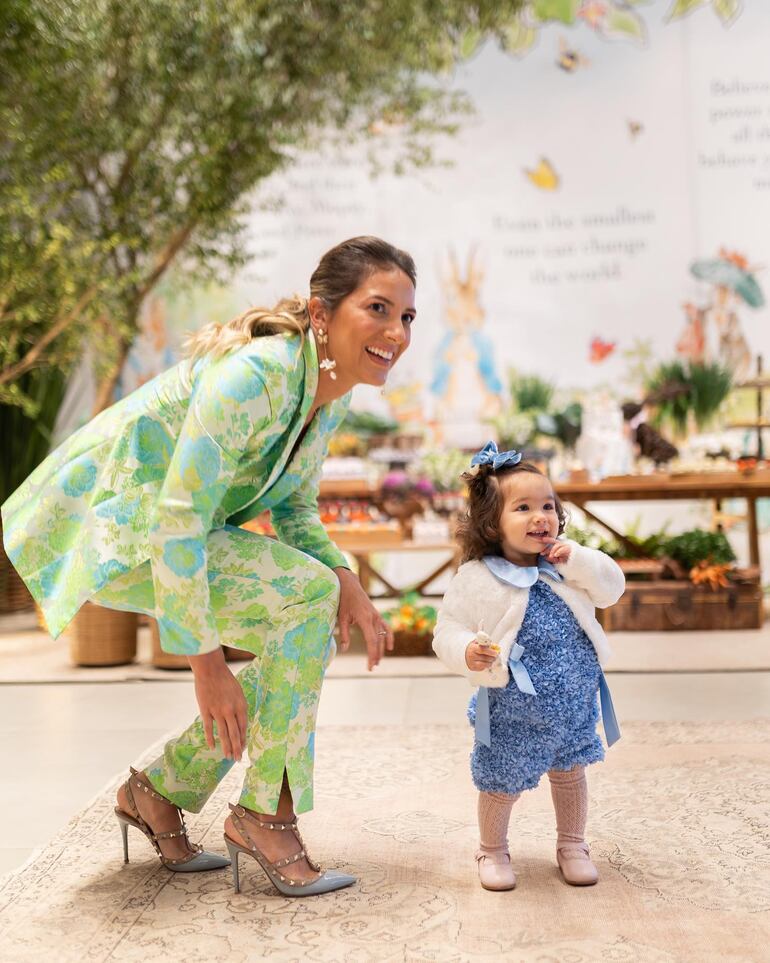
[555,729]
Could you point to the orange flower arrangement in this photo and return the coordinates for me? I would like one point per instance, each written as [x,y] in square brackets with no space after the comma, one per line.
[711,574]
[409,616]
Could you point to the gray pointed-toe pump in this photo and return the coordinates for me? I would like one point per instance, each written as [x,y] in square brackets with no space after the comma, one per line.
[196,861]
[329,881]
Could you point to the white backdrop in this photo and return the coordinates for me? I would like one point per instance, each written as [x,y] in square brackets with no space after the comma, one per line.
[662,153]
[658,153]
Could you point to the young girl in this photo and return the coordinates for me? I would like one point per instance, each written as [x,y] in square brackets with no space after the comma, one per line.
[518,620]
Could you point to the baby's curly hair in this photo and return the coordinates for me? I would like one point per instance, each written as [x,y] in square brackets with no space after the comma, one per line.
[478,531]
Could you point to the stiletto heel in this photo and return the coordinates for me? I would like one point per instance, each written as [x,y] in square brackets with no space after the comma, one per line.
[235,852]
[196,860]
[124,831]
[327,882]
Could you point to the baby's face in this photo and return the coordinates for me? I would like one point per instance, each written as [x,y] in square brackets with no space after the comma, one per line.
[529,518]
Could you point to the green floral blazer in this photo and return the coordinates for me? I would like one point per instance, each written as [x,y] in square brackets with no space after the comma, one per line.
[200,446]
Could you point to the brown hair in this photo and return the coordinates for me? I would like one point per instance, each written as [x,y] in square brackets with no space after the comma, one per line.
[478,531]
[340,271]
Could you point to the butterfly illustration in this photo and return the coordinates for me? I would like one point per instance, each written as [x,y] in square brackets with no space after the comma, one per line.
[569,59]
[599,350]
[544,176]
[635,128]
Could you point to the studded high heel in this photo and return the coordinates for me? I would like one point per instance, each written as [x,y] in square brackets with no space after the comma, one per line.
[195,861]
[330,880]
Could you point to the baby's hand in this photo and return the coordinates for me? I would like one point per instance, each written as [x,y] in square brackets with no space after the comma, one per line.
[481,653]
[556,551]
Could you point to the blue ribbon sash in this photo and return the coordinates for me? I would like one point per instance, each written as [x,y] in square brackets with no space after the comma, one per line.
[523,682]
[609,719]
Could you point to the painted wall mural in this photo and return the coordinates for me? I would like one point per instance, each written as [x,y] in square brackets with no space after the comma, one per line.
[606,207]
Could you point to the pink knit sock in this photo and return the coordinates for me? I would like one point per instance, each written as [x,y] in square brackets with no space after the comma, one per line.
[494,815]
[570,802]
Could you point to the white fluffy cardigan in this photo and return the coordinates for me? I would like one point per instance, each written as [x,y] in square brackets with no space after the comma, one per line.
[476,598]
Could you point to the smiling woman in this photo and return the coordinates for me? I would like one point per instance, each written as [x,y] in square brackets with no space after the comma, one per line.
[139,510]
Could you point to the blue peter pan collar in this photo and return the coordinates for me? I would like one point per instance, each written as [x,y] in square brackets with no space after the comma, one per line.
[520,576]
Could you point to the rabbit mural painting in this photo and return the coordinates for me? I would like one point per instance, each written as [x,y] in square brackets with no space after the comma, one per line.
[713,330]
[465,382]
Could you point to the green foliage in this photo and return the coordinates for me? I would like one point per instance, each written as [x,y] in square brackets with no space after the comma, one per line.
[680,8]
[530,413]
[514,428]
[677,388]
[135,131]
[688,548]
[564,425]
[529,392]
[696,546]
[650,546]
[365,424]
[710,384]
[591,538]
[726,10]
[26,430]
[564,11]
[443,468]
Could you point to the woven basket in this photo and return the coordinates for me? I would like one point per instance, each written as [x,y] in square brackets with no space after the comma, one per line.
[14,594]
[100,636]
[167,660]
[412,643]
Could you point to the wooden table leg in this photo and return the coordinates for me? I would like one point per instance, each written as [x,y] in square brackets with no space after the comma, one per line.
[449,563]
[632,547]
[364,577]
[751,512]
[366,572]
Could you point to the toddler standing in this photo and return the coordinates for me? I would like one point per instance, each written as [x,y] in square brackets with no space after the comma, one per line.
[518,620]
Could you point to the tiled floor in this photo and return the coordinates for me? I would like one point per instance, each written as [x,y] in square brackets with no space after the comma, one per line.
[60,744]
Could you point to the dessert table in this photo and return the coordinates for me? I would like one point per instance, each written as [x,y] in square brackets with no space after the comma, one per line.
[662,487]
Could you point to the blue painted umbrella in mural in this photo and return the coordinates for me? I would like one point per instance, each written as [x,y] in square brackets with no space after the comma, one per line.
[730,270]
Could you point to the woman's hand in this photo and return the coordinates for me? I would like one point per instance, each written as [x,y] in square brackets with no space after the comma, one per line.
[556,551]
[356,609]
[221,701]
[479,657]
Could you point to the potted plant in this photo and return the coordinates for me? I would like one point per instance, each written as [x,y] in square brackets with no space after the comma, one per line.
[412,623]
[683,394]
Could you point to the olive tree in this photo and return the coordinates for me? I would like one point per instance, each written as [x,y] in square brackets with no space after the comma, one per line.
[133,132]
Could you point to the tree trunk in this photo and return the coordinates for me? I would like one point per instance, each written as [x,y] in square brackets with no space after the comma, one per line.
[106,387]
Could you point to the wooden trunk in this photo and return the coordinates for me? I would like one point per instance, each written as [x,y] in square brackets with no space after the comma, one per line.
[663,605]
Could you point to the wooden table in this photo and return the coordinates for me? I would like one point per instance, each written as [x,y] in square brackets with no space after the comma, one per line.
[660,487]
[362,548]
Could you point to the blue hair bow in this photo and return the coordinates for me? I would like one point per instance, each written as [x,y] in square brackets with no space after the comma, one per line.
[489,455]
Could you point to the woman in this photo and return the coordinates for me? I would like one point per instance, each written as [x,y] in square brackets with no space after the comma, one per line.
[139,511]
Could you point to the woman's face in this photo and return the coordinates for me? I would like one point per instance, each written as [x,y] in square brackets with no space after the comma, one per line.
[370,328]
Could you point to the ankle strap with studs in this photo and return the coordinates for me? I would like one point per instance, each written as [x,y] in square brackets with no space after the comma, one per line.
[239,813]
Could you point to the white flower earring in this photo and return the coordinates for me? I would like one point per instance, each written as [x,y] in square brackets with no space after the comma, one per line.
[326,364]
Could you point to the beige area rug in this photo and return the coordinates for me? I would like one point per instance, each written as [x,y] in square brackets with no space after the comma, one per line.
[679,827]
[29,655]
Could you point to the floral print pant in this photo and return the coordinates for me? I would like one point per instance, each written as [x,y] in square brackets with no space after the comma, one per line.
[280,604]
